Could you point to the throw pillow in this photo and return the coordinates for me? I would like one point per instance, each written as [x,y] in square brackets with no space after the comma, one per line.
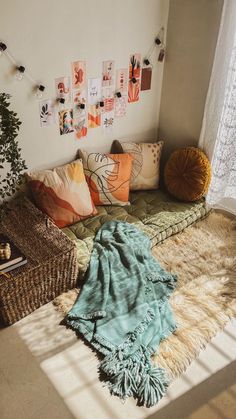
[146,163]
[187,174]
[62,193]
[108,177]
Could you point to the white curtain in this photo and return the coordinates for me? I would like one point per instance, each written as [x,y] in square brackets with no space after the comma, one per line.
[218,134]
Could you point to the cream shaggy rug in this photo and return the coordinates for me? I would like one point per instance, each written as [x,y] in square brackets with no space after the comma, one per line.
[204,257]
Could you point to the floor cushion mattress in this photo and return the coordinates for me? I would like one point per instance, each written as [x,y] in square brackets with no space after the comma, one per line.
[156,213]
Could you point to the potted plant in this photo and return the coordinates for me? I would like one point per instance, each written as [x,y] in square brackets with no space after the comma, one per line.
[11,163]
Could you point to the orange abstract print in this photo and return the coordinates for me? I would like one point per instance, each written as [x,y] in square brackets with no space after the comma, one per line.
[108,177]
[94,117]
[62,193]
[81,133]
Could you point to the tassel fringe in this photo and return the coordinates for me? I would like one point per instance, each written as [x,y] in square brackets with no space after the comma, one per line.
[133,375]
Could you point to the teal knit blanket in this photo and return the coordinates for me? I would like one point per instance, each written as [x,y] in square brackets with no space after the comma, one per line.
[123,311]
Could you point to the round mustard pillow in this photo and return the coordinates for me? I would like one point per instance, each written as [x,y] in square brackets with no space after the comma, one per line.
[187,174]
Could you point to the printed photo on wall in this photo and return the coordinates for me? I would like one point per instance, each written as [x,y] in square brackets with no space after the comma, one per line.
[80,113]
[108,73]
[108,98]
[107,122]
[134,75]
[146,78]
[78,69]
[80,124]
[94,117]
[63,88]
[120,106]
[135,66]
[66,121]
[133,91]
[94,91]
[122,80]
[80,98]
[47,113]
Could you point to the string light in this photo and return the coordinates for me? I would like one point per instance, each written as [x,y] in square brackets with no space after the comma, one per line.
[38,89]
[61,100]
[3,47]
[158,42]
[20,72]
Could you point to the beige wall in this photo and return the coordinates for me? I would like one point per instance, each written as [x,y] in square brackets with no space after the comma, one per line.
[47,35]
[191,38]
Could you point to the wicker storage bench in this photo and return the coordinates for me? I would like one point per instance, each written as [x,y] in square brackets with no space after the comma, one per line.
[52,266]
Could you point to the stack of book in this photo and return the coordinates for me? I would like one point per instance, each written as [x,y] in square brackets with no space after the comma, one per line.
[17,258]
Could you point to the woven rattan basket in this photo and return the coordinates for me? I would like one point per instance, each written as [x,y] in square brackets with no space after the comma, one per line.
[51,269]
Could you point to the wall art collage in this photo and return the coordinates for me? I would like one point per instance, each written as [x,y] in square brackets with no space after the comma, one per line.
[82,103]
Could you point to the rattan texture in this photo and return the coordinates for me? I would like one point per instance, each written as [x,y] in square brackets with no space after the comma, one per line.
[52,266]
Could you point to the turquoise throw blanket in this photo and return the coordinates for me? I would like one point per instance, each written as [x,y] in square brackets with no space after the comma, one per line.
[123,311]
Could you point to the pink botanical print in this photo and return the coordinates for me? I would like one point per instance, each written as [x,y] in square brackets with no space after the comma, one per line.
[133,92]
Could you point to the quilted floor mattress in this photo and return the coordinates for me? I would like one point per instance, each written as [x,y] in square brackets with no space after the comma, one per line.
[154,212]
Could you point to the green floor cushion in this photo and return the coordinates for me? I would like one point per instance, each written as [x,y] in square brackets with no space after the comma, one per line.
[156,213]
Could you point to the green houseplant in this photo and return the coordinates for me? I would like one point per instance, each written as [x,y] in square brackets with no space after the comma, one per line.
[11,163]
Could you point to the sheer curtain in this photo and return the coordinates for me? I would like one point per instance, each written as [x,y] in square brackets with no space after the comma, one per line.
[218,134]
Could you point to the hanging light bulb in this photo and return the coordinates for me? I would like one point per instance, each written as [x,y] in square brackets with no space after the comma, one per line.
[20,72]
[3,47]
[39,91]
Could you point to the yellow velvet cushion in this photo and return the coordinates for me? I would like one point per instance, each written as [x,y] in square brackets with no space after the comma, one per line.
[187,174]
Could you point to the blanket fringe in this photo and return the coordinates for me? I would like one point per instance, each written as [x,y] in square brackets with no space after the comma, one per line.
[134,376]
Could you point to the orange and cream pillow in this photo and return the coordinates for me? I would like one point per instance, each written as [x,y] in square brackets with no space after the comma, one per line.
[146,163]
[108,177]
[62,193]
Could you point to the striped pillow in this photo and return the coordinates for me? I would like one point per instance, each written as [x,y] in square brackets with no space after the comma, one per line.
[62,193]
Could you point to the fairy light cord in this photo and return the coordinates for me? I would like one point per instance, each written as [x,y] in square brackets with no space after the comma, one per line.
[37,87]
[158,42]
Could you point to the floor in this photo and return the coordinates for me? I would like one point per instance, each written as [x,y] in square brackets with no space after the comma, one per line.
[46,372]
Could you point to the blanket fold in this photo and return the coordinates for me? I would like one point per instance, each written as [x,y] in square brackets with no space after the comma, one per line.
[123,311]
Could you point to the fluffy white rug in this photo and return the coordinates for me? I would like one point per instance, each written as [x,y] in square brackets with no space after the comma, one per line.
[204,257]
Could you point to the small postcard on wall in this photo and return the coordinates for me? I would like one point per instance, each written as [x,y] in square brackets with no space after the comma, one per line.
[135,66]
[80,98]
[66,121]
[108,122]
[108,98]
[133,92]
[80,113]
[79,75]
[120,106]
[94,117]
[108,73]
[80,124]
[47,112]
[94,91]
[146,78]
[122,80]
[63,88]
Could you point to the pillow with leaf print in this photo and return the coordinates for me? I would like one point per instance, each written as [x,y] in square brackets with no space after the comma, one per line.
[146,163]
[62,193]
[108,177]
